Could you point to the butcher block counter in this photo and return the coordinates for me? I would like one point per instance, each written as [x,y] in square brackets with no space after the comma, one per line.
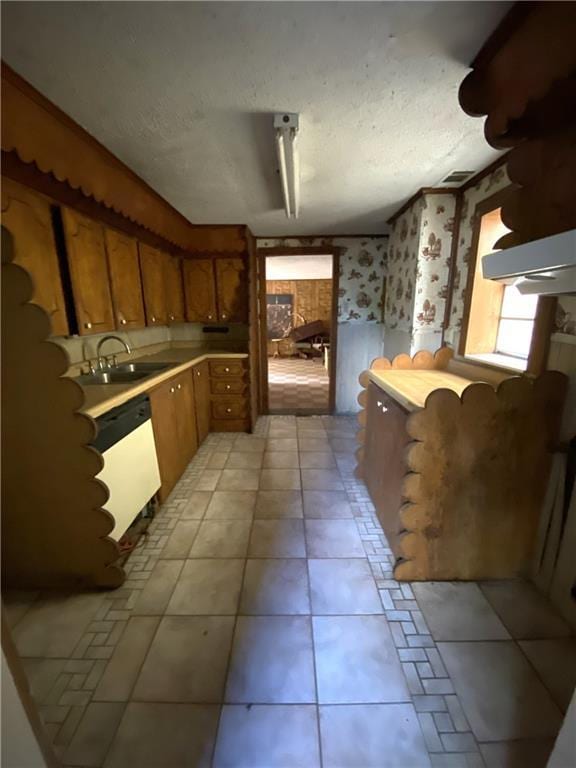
[456,459]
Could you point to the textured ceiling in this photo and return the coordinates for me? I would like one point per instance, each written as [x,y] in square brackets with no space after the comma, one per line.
[184,94]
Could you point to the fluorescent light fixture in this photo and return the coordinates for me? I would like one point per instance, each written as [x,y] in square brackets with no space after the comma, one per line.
[286,126]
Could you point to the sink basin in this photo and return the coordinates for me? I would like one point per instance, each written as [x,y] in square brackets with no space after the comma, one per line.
[121,374]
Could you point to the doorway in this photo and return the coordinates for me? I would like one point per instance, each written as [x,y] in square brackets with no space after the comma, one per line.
[298,308]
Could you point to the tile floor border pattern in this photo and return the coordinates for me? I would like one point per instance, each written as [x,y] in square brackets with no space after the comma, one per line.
[446,732]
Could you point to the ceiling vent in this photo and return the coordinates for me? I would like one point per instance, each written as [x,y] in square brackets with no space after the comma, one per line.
[456,178]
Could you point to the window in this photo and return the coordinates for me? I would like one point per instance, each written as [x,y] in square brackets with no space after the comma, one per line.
[500,322]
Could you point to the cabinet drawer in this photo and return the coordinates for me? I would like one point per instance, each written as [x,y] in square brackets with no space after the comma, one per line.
[227,368]
[227,386]
[229,409]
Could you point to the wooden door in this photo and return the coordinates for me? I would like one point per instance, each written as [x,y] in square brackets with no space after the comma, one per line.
[232,288]
[153,284]
[185,413]
[200,290]
[385,465]
[162,401]
[28,217]
[125,279]
[202,399]
[86,251]
[174,289]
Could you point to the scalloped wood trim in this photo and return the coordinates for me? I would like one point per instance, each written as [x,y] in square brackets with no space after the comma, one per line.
[54,529]
[40,133]
[422,360]
[477,479]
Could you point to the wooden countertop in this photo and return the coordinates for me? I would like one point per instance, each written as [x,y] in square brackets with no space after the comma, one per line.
[100,398]
[410,388]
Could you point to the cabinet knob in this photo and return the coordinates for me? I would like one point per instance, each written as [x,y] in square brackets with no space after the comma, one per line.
[153,319]
[179,386]
[172,390]
[227,370]
[209,317]
[122,321]
[197,373]
[228,410]
[171,317]
[88,325]
[223,316]
[227,386]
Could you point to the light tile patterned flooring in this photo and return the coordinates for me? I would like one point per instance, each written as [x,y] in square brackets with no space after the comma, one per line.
[297,386]
[260,627]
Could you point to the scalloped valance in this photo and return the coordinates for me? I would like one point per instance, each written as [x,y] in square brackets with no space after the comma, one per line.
[40,133]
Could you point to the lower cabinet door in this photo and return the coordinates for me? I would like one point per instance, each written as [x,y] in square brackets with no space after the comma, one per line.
[385,465]
[185,417]
[162,401]
[201,375]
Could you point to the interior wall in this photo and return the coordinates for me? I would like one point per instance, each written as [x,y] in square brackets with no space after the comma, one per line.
[363,269]
[81,348]
[312,299]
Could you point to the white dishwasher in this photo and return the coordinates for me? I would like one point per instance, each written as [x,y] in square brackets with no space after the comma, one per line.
[126,441]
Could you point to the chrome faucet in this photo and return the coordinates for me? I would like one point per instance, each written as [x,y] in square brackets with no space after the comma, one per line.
[101,359]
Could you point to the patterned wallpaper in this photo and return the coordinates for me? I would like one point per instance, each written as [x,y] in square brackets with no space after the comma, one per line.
[436,228]
[402,268]
[363,268]
[487,186]
[419,264]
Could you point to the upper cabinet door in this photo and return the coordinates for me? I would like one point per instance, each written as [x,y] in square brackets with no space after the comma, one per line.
[232,282]
[88,272]
[153,283]
[27,216]
[200,290]
[125,279]
[174,289]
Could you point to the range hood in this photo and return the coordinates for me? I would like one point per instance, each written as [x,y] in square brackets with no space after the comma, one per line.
[546,266]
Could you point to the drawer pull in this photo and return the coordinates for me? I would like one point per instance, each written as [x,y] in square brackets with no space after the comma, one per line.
[227,370]
[227,386]
[228,410]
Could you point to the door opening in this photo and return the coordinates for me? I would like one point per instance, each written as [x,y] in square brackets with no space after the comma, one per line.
[298,305]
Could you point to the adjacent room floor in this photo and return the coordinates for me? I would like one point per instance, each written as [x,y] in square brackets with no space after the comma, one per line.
[260,627]
[297,386]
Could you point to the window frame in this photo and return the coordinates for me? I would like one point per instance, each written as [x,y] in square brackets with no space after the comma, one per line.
[545,311]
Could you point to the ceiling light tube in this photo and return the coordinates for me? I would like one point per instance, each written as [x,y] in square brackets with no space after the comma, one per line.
[286,130]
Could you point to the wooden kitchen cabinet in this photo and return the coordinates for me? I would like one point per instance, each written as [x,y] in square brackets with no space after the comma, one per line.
[28,217]
[385,446]
[88,265]
[200,290]
[201,375]
[154,285]
[174,424]
[174,289]
[232,290]
[125,280]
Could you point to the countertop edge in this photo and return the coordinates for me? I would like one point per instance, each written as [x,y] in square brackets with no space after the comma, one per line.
[153,381]
[393,392]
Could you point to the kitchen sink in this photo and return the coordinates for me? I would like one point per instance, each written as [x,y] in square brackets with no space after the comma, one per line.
[122,374]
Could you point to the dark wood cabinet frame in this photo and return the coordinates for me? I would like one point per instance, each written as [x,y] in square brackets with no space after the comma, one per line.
[262,254]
